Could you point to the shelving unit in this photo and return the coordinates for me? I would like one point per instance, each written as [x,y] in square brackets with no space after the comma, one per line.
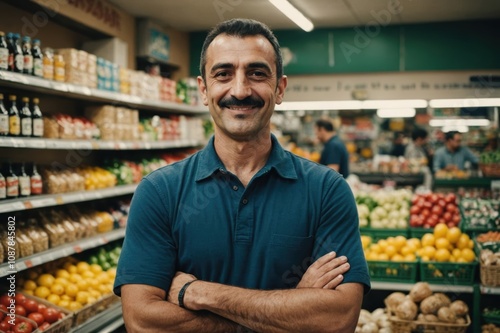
[105,321]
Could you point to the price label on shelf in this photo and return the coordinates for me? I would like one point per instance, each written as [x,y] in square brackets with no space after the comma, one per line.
[45,202]
[28,263]
[77,248]
[28,205]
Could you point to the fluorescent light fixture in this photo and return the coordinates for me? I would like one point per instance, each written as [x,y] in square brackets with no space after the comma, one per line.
[319,105]
[293,14]
[464,102]
[461,128]
[394,104]
[454,122]
[396,113]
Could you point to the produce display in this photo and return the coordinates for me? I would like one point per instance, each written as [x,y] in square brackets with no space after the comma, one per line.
[422,309]
[490,328]
[384,209]
[489,163]
[397,248]
[429,209]
[482,213]
[106,257]
[31,315]
[373,322]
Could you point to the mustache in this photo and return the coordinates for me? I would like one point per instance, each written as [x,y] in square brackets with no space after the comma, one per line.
[232,101]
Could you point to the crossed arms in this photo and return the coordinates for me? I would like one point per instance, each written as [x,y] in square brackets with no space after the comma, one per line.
[319,303]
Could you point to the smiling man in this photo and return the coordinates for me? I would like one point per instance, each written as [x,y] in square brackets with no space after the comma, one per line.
[242,235]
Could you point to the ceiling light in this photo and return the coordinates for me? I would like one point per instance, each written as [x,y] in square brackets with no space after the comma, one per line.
[319,105]
[396,113]
[464,102]
[293,14]
[394,104]
[446,122]
[461,129]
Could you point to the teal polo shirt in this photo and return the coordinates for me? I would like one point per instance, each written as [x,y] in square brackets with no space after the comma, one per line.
[196,217]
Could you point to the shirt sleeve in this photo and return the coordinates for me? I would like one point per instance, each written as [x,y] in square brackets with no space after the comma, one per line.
[437,163]
[149,252]
[470,156]
[339,231]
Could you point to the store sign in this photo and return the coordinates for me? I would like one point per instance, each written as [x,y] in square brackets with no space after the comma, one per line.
[100,10]
[403,85]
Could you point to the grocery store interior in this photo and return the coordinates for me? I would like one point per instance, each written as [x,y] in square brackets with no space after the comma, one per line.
[94,95]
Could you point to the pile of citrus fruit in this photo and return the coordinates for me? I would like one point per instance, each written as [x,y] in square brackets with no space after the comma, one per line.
[446,244]
[71,286]
[397,248]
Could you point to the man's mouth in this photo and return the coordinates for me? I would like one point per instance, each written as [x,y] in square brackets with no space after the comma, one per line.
[246,104]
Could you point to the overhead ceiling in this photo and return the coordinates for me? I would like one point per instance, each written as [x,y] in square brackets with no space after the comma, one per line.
[200,15]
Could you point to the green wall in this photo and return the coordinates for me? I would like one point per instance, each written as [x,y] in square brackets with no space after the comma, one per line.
[419,47]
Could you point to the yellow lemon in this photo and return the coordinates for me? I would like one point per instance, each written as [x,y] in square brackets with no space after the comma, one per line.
[453,235]
[95,268]
[29,285]
[391,250]
[463,241]
[383,256]
[400,242]
[75,306]
[410,257]
[442,254]
[442,243]
[95,293]
[66,298]
[415,242]
[71,290]
[440,230]
[83,285]
[57,289]
[62,273]
[467,255]
[42,291]
[102,278]
[62,281]
[375,248]
[74,277]
[45,280]
[428,239]
[429,252]
[87,275]
[91,300]
[383,244]
[54,299]
[64,303]
[82,297]
[111,273]
[82,266]
[397,257]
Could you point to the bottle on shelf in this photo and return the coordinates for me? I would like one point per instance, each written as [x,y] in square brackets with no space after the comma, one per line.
[12,183]
[3,187]
[59,68]
[11,49]
[36,116]
[36,181]
[24,182]
[4,118]
[17,54]
[4,52]
[14,119]
[26,121]
[27,56]
[48,63]
[36,51]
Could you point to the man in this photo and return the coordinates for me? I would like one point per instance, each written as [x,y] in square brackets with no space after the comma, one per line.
[334,154]
[415,150]
[220,241]
[453,156]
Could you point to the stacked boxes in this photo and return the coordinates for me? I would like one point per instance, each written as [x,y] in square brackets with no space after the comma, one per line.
[115,123]
[167,90]
[108,75]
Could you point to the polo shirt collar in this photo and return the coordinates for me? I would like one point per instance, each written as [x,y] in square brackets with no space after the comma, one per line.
[279,160]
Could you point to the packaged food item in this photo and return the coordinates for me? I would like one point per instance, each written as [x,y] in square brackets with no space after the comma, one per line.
[25,243]
[48,63]
[50,128]
[54,230]
[39,236]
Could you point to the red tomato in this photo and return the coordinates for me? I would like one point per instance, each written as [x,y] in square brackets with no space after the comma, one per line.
[44,326]
[4,326]
[451,198]
[414,210]
[432,221]
[20,299]
[425,213]
[6,300]
[437,210]
[24,327]
[37,317]
[41,308]
[447,216]
[31,305]
[20,310]
[433,198]
[428,204]
[456,219]
[441,203]
[452,208]
[51,315]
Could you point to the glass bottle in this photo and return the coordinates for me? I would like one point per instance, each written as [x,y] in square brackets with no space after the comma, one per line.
[11,49]
[4,52]
[48,63]
[37,58]
[14,120]
[59,68]
[26,121]
[27,56]
[12,183]
[4,118]
[37,118]
[24,183]
[18,56]
[36,181]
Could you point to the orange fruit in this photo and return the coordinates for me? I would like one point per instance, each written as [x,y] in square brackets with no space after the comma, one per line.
[397,257]
[45,280]
[442,255]
[71,290]
[391,250]
[410,257]
[399,242]
[440,230]
[29,285]
[453,235]
[463,241]
[416,242]
[375,248]
[62,273]
[428,239]
[467,255]
[64,303]
[57,289]
[54,299]
[42,291]
[82,266]
[429,252]
[442,243]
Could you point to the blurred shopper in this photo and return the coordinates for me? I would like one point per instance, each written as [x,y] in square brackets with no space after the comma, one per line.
[417,154]
[334,154]
[398,145]
[453,156]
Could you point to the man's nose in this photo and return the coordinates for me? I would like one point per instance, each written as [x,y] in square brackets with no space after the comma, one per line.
[241,87]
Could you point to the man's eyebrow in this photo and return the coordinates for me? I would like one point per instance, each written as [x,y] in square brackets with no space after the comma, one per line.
[262,65]
[224,65]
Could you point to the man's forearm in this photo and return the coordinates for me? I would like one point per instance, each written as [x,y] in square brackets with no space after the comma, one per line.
[291,310]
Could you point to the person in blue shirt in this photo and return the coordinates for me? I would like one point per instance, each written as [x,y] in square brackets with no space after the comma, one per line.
[334,154]
[242,235]
[453,156]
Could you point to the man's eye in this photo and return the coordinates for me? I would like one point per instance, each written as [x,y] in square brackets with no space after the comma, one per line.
[258,74]
[221,74]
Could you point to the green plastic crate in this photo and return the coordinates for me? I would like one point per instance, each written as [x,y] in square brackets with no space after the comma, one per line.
[392,271]
[448,272]
[419,232]
[377,234]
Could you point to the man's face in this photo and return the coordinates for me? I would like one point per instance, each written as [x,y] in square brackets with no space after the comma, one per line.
[456,142]
[241,87]
[320,133]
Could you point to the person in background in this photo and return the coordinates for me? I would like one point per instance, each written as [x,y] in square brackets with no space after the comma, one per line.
[453,156]
[242,234]
[398,145]
[416,149]
[334,154]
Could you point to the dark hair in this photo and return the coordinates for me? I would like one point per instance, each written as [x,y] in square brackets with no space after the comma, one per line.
[327,125]
[418,133]
[450,135]
[242,28]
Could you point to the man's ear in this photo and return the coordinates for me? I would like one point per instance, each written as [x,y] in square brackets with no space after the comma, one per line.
[280,89]
[202,87]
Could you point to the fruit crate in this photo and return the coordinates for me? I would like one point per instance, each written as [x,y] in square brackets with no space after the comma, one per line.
[448,272]
[489,275]
[90,310]
[410,326]
[470,224]
[379,233]
[491,316]
[62,325]
[419,232]
[393,271]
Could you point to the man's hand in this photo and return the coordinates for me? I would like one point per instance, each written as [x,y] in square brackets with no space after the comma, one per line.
[179,280]
[326,272]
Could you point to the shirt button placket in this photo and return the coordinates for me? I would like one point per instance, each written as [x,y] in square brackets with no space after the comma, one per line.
[244,201]
[235,187]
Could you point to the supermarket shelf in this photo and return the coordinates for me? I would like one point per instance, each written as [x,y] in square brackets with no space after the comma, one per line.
[105,321]
[490,290]
[434,287]
[61,252]
[399,179]
[35,143]
[48,200]
[22,81]
[466,182]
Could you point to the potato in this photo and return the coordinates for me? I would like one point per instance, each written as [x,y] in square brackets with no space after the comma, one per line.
[420,291]
[460,308]
[430,305]
[407,310]
[445,314]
